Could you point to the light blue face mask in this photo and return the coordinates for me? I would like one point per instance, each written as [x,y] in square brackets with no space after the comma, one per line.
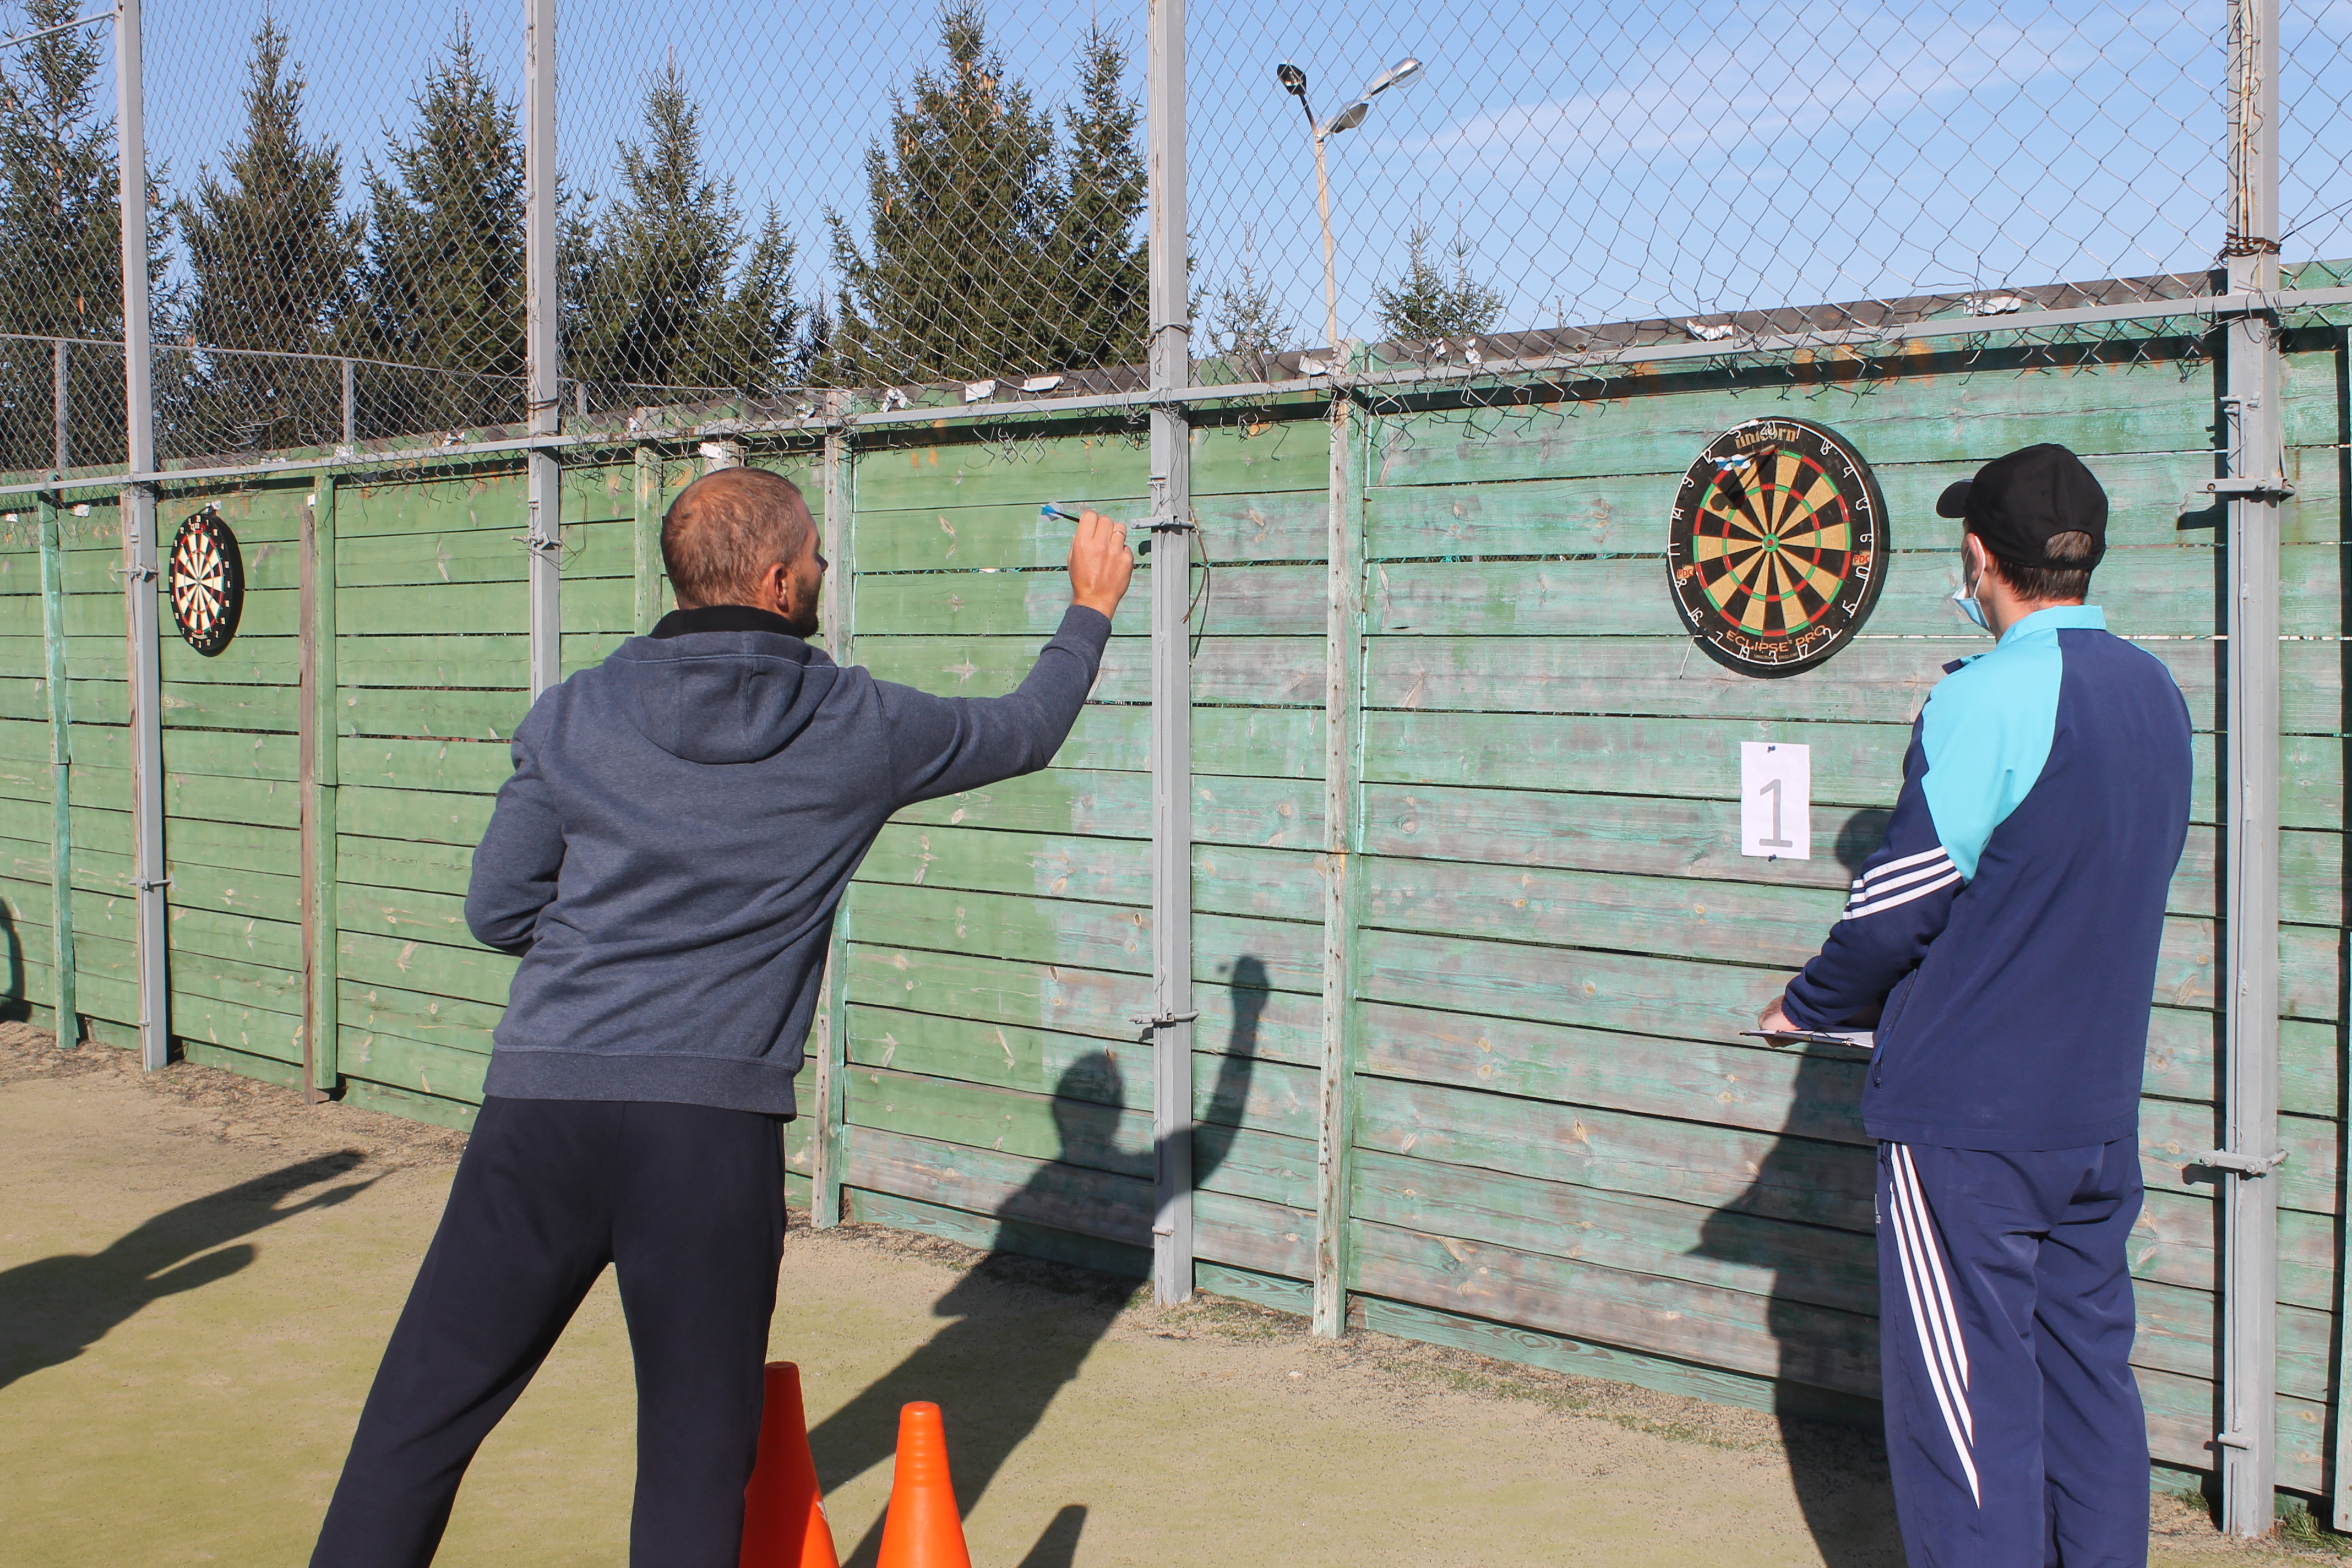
[1965,597]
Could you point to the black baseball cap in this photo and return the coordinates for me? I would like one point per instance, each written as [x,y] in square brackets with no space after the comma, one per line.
[2017,502]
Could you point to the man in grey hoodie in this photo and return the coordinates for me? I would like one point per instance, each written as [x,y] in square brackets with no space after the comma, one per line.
[666,858]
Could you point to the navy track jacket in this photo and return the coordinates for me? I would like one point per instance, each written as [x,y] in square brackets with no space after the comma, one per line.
[680,826]
[2009,925]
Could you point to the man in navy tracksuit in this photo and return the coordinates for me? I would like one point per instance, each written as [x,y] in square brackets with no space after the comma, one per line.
[682,822]
[2004,941]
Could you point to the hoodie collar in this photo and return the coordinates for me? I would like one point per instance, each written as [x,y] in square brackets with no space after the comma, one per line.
[722,618]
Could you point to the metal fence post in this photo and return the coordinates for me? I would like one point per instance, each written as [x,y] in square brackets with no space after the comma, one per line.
[1342,688]
[350,405]
[60,407]
[1171,668]
[546,533]
[2253,484]
[321,776]
[830,1166]
[139,558]
[53,637]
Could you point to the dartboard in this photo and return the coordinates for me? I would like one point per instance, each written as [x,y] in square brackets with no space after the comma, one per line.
[208,583]
[1778,546]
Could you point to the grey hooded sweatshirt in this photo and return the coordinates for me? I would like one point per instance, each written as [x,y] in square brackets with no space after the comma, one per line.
[682,823]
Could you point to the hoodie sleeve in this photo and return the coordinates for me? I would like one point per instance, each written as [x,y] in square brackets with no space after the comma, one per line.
[1900,902]
[1978,748]
[940,745]
[520,855]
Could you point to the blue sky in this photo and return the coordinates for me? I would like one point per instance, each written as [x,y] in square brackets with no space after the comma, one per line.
[1602,160]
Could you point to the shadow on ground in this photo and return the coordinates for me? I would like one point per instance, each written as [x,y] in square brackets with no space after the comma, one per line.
[53,1309]
[1030,1343]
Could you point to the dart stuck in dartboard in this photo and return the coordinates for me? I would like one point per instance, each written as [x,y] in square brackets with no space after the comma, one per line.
[208,583]
[1778,545]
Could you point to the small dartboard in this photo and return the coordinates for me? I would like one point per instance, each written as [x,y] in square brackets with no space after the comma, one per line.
[208,583]
[1778,546]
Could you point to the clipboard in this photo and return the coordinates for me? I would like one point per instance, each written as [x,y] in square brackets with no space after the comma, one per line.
[1860,1039]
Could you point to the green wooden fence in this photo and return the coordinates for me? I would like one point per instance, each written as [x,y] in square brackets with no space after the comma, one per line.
[1515,1025]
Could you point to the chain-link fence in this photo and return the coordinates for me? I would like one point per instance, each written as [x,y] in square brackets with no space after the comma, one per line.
[943,205]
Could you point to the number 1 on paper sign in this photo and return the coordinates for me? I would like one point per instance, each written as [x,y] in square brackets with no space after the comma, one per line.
[1776,799]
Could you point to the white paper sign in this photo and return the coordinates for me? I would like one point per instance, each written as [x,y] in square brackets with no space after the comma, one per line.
[1776,799]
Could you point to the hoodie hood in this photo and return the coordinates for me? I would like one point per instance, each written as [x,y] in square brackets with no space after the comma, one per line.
[721,697]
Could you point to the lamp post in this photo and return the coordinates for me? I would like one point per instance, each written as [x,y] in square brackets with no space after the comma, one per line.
[1294,81]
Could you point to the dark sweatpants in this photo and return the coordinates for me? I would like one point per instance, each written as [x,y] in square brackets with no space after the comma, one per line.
[2013,1425]
[687,1203]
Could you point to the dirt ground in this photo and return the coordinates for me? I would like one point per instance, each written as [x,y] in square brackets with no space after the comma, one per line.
[197,1274]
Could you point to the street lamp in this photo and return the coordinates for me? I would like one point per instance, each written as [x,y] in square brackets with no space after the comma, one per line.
[1293,82]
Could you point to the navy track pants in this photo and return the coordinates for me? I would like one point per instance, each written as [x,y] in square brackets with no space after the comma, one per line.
[2013,1426]
[688,1202]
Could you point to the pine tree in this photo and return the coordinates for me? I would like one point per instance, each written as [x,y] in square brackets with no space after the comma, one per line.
[1427,303]
[1243,323]
[1102,292]
[673,297]
[270,259]
[962,210]
[442,284]
[61,269]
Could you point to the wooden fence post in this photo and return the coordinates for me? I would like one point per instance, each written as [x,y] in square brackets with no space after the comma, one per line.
[830,1143]
[53,634]
[321,1071]
[1342,712]
[648,535]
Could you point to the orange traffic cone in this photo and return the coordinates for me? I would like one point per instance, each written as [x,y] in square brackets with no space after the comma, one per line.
[783,1516]
[924,1530]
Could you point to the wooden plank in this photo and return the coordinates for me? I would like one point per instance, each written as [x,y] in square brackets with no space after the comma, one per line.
[1257,670]
[371,711]
[455,764]
[244,1064]
[1018,1191]
[402,864]
[1614,1364]
[1635,1232]
[1855,765]
[1645,994]
[1653,835]
[430,817]
[1626,512]
[461,660]
[1732,1329]
[466,973]
[1785,1177]
[1292,1296]
[1873,681]
[2160,590]
[1240,600]
[263,1032]
[415,1016]
[1070,469]
[1942,424]
[862,1205]
[1009,537]
[1253,453]
[404,915]
[448,1070]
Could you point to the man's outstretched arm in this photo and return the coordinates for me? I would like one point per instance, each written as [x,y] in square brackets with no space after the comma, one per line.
[520,855]
[943,744]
